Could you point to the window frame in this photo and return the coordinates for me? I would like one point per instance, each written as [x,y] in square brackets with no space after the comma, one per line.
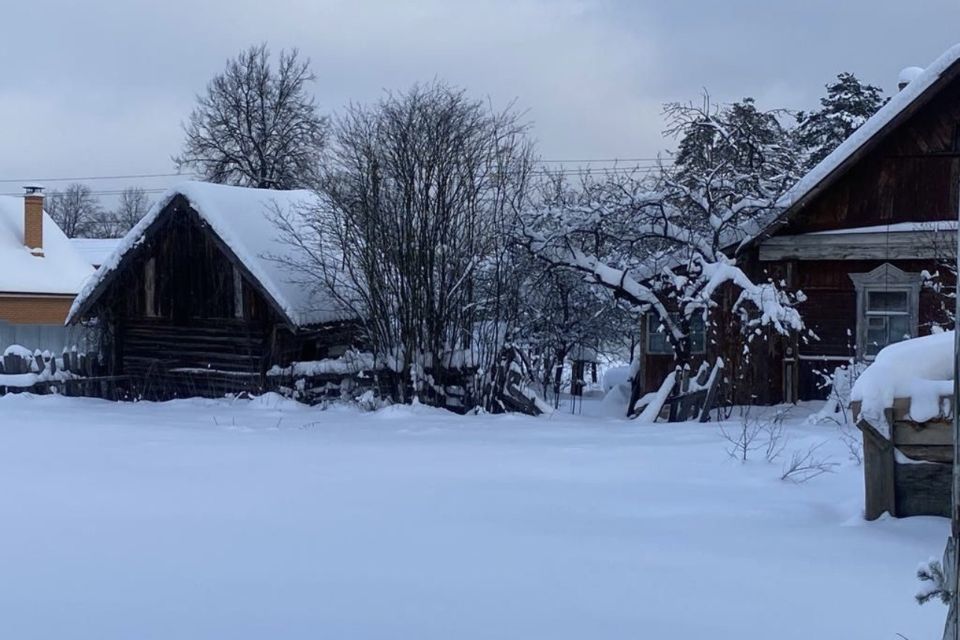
[885,278]
[652,329]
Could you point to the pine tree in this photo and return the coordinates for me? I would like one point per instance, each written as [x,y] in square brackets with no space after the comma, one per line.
[848,104]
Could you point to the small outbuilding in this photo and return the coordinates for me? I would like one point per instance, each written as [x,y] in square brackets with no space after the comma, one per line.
[199,298]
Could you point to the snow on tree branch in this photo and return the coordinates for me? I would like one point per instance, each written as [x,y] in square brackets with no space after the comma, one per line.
[664,241]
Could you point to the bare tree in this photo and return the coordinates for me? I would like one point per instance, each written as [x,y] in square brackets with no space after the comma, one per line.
[413,231]
[256,125]
[75,210]
[561,313]
[133,205]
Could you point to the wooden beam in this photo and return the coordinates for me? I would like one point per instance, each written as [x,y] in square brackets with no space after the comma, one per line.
[900,245]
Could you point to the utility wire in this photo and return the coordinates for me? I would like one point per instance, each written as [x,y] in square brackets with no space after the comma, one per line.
[88,178]
[583,171]
[137,176]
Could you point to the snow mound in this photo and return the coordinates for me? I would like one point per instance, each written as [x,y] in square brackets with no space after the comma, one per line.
[616,400]
[920,369]
[908,75]
[616,376]
[275,402]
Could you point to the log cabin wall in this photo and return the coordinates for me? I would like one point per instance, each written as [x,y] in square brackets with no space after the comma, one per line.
[176,305]
[830,311]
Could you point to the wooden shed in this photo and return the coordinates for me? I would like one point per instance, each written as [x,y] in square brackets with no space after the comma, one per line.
[200,298]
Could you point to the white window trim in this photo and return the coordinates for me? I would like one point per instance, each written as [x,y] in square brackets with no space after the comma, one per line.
[886,277]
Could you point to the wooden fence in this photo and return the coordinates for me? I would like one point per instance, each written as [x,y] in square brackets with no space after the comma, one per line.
[72,374]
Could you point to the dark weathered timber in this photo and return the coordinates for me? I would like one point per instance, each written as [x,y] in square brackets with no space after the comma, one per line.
[923,489]
[173,326]
[878,469]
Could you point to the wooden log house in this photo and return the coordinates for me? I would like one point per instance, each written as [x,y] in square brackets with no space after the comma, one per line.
[856,236]
[199,298]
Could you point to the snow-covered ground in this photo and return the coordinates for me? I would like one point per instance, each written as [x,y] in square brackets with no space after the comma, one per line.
[259,519]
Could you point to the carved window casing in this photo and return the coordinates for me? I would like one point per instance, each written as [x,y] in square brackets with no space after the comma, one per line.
[888,301]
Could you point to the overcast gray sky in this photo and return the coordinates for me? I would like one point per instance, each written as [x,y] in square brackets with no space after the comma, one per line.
[100,88]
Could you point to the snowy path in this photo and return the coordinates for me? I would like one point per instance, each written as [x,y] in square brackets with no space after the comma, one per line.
[203,519]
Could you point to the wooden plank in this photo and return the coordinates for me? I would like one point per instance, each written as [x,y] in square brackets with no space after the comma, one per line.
[901,409]
[878,470]
[927,453]
[880,245]
[929,433]
[923,490]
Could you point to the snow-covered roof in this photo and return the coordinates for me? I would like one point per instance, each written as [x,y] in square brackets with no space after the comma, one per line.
[61,270]
[244,219]
[908,75]
[95,250]
[831,166]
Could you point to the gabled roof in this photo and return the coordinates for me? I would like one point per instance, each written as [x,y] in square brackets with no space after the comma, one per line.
[61,270]
[897,110]
[244,220]
[95,250]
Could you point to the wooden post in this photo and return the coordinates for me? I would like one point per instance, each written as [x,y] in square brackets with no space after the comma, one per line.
[878,470]
[951,558]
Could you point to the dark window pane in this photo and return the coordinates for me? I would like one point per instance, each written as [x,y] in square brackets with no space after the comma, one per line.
[887,301]
[657,342]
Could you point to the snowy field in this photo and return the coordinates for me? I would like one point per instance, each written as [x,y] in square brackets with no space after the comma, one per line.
[260,519]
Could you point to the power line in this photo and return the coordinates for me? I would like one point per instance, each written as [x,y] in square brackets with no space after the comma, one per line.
[604,160]
[545,171]
[113,192]
[583,171]
[139,176]
[89,178]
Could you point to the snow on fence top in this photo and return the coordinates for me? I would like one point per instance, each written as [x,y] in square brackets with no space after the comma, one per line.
[61,269]
[920,369]
[244,219]
[883,117]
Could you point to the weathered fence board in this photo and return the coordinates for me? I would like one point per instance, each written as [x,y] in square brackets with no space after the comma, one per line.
[910,472]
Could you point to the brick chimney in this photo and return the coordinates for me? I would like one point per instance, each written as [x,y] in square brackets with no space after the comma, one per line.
[33,220]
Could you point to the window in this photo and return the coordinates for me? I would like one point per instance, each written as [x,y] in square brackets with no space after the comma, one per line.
[150,288]
[237,294]
[887,302]
[886,318]
[657,343]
